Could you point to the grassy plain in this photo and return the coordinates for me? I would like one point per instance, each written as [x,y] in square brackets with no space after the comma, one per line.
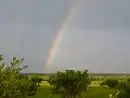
[95,90]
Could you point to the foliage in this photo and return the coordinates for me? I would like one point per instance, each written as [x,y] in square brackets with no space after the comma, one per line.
[124,88]
[70,83]
[12,83]
[111,83]
[33,85]
[97,78]
[128,79]
[103,83]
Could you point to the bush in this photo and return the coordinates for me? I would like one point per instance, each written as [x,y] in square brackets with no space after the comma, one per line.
[102,84]
[12,83]
[70,83]
[123,94]
[124,88]
[111,83]
[122,85]
[128,79]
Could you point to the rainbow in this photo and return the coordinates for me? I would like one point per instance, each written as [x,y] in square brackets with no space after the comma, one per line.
[60,35]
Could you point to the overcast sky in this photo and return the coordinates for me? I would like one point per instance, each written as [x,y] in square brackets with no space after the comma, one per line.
[97,38]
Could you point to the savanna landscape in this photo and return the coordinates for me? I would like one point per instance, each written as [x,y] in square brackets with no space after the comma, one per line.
[63,84]
[96,90]
[65,49]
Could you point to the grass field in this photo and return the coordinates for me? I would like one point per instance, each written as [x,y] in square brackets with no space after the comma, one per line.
[94,92]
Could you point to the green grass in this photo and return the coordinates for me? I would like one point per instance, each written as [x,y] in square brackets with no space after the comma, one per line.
[95,83]
[99,92]
[94,92]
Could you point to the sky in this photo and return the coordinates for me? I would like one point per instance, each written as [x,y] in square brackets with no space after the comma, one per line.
[96,38]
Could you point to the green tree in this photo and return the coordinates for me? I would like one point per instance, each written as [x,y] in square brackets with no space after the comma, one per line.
[124,90]
[111,83]
[70,83]
[12,83]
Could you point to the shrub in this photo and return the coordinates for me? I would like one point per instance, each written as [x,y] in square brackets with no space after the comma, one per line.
[123,94]
[70,83]
[102,84]
[124,88]
[128,79]
[12,83]
[111,83]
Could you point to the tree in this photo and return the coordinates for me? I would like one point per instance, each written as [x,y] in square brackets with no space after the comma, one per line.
[70,83]
[12,83]
[111,83]
[124,89]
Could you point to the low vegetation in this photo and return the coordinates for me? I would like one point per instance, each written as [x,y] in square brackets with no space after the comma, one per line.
[13,84]
[70,83]
[111,83]
[67,84]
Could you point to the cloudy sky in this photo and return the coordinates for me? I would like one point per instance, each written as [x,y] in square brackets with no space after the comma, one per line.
[97,36]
